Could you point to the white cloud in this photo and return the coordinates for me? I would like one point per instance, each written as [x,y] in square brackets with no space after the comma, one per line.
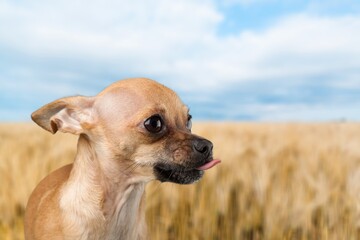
[247,2]
[298,46]
[179,40]
[174,41]
[312,113]
[103,29]
[151,36]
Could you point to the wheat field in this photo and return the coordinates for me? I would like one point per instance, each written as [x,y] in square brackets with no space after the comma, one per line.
[276,181]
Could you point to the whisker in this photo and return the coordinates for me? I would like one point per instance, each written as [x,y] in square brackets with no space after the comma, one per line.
[129,169]
[133,167]
[130,166]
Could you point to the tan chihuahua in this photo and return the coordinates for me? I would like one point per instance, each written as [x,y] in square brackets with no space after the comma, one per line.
[134,131]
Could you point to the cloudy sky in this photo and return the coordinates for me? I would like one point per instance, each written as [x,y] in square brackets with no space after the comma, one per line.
[248,60]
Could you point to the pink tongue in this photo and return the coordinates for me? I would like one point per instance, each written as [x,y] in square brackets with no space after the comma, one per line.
[209,164]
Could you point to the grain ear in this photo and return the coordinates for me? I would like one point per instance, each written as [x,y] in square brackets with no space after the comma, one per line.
[71,115]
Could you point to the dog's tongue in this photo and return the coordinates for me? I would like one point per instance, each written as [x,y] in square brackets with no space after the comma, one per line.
[209,164]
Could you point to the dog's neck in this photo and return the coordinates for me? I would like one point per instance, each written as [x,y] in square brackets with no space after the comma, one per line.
[111,203]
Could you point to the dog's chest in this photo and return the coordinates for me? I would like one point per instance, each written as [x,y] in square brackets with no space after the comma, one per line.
[84,216]
[127,220]
[80,204]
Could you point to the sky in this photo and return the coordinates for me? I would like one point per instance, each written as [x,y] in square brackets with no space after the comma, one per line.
[232,60]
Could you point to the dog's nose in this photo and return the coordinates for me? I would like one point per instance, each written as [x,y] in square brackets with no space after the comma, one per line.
[202,146]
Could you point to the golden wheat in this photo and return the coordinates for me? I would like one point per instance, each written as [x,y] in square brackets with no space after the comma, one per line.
[276,181]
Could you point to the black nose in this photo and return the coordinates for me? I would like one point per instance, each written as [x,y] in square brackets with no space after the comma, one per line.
[202,146]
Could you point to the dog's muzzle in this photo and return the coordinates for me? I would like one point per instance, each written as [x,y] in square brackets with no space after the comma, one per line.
[199,159]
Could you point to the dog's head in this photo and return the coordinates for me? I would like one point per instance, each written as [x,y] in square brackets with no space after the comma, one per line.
[140,125]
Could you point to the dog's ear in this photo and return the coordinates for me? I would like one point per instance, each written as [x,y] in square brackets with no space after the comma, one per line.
[71,115]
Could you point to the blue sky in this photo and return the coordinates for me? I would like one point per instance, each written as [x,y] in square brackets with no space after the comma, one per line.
[247,60]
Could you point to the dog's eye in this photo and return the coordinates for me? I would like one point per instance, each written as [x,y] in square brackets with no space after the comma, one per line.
[189,123]
[154,124]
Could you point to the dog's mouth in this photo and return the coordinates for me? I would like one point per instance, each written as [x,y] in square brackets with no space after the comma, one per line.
[167,172]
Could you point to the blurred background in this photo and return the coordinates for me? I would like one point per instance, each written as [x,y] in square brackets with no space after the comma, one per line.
[252,60]
[274,84]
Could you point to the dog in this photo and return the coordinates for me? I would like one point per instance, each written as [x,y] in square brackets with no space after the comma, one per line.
[134,131]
